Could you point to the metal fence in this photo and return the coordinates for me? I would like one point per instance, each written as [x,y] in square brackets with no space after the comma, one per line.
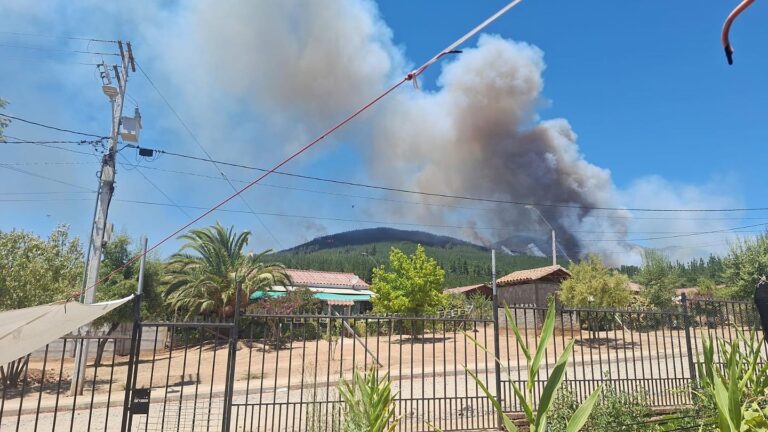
[281,372]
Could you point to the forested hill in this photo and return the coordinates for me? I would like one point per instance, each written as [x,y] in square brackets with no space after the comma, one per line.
[464,263]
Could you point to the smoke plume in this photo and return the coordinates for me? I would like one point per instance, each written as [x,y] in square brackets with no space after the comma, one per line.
[479,135]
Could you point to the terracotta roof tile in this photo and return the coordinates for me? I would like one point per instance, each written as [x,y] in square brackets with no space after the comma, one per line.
[325,278]
[529,275]
[463,289]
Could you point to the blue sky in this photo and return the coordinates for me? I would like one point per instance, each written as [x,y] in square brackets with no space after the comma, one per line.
[644,85]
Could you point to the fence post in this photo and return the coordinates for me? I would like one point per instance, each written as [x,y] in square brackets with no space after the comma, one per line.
[496,348]
[133,356]
[231,364]
[688,346]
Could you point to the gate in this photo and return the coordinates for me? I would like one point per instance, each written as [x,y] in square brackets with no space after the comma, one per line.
[291,366]
[282,372]
[180,377]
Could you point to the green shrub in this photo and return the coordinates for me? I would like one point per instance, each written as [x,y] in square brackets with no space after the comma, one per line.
[615,411]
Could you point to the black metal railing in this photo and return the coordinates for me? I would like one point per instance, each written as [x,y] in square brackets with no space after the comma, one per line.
[282,372]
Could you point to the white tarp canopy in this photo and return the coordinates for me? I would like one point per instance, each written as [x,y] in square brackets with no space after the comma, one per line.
[25,330]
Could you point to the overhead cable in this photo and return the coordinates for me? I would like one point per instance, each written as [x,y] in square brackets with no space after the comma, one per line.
[458,197]
[29,173]
[422,203]
[207,155]
[299,152]
[52,127]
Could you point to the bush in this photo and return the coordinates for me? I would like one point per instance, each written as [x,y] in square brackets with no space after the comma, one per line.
[615,411]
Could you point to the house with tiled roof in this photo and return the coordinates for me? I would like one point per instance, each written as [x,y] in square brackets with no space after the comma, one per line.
[469,290]
[532,286]
[522,287]
[343,292]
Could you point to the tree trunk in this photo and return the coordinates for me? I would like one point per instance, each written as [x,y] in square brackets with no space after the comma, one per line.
[103,343]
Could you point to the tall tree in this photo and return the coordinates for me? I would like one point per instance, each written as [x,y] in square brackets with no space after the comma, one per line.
[743,266]
[36,271]
[593,284]
[659,279]
[202,277]
[413,287]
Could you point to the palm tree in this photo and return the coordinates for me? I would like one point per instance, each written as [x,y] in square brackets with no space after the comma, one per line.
[202,276]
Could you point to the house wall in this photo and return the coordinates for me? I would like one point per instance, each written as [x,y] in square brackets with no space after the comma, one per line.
[534,293]
[531,294]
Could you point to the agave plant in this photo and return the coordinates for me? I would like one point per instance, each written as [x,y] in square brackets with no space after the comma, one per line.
[536,416]
[369,403]
[738,389]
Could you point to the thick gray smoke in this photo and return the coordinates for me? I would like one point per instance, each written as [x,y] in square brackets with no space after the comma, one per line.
[303,65]
[479,135]
[257,79]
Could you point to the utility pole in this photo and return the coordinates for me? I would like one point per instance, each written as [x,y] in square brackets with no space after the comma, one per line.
[106,188]
[554,249]
[554,239]
[496,336]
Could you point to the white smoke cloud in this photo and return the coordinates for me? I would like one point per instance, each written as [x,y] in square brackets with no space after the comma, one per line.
[657,192]
[480,135]
[257,79]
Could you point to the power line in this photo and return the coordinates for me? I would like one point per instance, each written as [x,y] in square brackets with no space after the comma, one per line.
[29,173]
[210,159]
[46,163]
[453,196]
[43,193]
[46,60]
[35,48]
[81,142]
[414,224]
[52,127]
[157,188]
[58,37]
[421,203]
[49,146]
[681,235]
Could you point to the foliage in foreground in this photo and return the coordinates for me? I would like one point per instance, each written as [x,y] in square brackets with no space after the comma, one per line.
[738,387]
[538,417]
[368,403]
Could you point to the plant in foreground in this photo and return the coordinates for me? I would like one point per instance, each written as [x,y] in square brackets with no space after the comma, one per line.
[537,417]
[368,403]
[738,388]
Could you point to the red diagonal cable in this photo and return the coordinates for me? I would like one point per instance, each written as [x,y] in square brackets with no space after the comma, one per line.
[258,179]
[411,76]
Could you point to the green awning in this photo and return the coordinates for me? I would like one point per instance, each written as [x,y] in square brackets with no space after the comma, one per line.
[258,295]
[353,297]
